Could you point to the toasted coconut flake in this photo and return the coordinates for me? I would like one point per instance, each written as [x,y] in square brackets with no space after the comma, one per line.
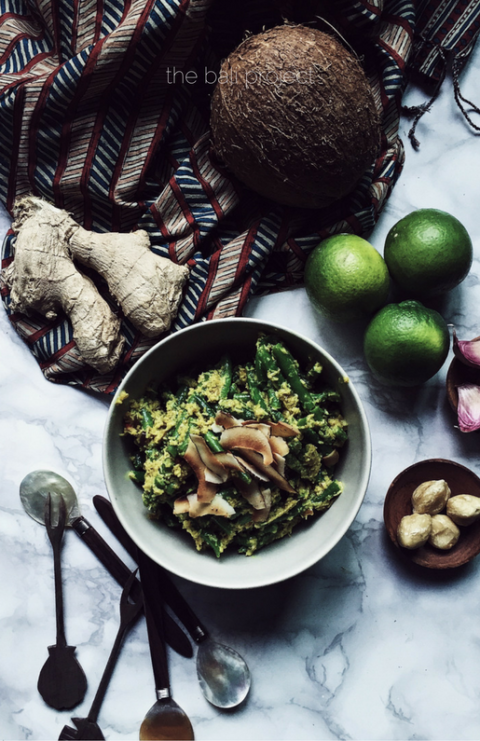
[248,438]
[227,420]
[283,429]
[193,459]
[206,491]
[181,506]
[197,508]
[331,458]
[212,477]
[265,428]
[263,514]
[280,463]
[269,471]
[209,458]
[228,460]
[278,445]
[251,468]
[218,506]
[251,492]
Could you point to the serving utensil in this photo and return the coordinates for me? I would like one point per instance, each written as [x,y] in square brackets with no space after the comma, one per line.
[87,728]
[165,719]
[33,492]
[223,674]
[62,682]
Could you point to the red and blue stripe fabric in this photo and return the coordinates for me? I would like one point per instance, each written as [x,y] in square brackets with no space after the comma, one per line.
[97,116]
[444,27]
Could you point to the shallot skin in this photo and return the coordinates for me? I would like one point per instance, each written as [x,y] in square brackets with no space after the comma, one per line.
[468,410]
[467,351]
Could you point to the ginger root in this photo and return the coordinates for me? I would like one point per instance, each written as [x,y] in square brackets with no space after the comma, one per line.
[43,278]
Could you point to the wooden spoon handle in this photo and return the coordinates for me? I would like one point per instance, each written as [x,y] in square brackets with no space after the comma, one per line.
[129,611]
[55,535]
[156,636]
[170,593]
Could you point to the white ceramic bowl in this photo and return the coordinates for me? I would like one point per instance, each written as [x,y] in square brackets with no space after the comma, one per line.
[175,550]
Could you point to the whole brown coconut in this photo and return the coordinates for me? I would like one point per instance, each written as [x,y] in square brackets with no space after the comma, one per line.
[294,118]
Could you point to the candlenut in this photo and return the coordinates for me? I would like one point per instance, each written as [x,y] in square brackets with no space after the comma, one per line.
[444,533]
[463,509]
[431,497]
[426,523]
[414,530]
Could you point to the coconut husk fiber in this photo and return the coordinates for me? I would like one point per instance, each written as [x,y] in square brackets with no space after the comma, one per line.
[294,117]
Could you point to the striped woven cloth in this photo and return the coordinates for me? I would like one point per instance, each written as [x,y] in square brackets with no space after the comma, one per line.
[446,32]
[93,119]
[444,27]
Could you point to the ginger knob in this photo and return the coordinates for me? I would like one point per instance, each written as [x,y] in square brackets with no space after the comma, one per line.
[414,530]
[430,497]
[463,509]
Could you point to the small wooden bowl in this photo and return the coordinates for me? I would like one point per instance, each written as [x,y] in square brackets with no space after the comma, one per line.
[458,374]
[398,504]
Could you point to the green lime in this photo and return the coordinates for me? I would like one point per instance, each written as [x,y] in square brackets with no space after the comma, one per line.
[346,278]
[428,252]
[406,344]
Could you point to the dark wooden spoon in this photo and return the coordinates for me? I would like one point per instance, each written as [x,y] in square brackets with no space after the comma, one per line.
[165,721]
[87,729]
[62,682]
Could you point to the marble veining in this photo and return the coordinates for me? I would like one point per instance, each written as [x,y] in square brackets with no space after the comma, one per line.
[357,647]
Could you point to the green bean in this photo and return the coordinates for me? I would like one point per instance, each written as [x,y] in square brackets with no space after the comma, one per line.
[226,371]
[310,435]
[290,369]
[212,540]
[213,442]
[331,491]
[325,396]
[262,374]
[171,488]
[172,440]
[243,476]
[138,476]
[182,393]
[270,369]
[147,419]
[318,416]
[253,387]
[241,397]
[223,524]
[243,519]
[246,413]
[165,478]
[203,404]
[273,377]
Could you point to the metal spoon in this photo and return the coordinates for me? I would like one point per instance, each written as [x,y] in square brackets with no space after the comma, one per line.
[223,674]
[62,682]
[165,721]
[33,492]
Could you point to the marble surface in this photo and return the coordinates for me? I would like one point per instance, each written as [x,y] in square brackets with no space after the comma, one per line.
[357,647]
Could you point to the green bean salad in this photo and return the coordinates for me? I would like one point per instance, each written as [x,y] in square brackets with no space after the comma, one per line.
[238,454]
